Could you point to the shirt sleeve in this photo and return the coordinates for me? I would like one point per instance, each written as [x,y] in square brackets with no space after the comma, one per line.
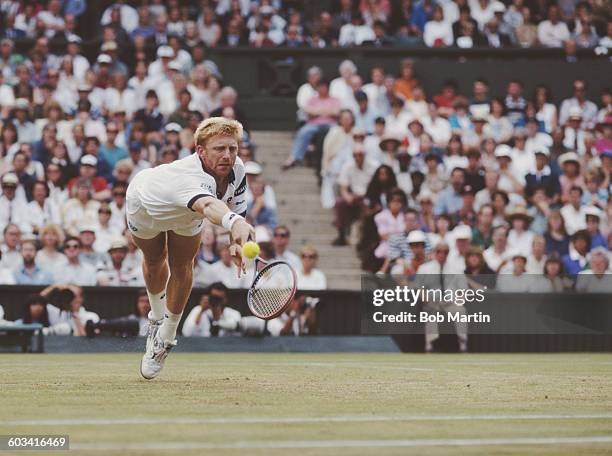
[192,189]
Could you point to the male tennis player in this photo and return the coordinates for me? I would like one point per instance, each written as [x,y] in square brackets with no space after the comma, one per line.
[166,206]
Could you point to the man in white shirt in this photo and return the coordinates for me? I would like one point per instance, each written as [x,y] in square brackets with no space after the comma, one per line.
[116,272]
[573,213]
[553,32]
[341,87]
[226,272]
[11,256]
[13,209]
[376,91]
[497,255]
[212,317]
[353,180]
[280,242]
[75,271]
[307,91]
[580,105]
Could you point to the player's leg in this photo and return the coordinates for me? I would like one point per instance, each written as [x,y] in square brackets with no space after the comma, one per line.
[181,253]
[155,270]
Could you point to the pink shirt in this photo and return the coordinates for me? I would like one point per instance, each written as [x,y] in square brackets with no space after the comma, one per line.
[387,225]
[329,104]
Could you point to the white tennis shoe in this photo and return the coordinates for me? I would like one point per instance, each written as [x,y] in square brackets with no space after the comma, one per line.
[156,352]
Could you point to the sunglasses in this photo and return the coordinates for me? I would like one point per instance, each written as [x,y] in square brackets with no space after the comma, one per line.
[112,131]
[72,246]
[105,211]
[309,256]
[281,235]
[119,194]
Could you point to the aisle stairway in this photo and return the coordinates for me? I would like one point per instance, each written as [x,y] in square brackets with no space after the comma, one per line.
[299,208]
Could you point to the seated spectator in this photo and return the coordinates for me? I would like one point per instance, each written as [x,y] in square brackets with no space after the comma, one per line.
[378,191]
[280,241]
[557,239]
[483,228]
[450,199]
[35,311]
[390,221]
[81,208]
[526,33]
[596,279]
[579,106]
[498,254]
[553,32]
[212,317]
[87,236]
[142,308]
[555,276]
[353,180]
[49,256]
[537,257]
[67,316]
[208,247]
[307,91]
[298,320]
[116,272]
[595,194]
[228,98]
[105,232]
[225,271]
[12,208]
[118,206]
[42,210]
[322,111]
[6,274]
[573,212]
[576,260]
[308,276]
[518,281]
[478,274]
[438,32]
[75,271]
[519,236]
[109,151]
[257,211]
[593,217]
[30,273]
[542,177]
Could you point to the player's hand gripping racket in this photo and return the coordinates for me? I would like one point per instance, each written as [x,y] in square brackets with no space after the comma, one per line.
[273,288]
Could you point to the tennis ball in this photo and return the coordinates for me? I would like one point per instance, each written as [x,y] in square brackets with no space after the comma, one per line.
[250,249]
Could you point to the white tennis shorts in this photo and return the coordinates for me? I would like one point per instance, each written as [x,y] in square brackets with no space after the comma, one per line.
[142,225]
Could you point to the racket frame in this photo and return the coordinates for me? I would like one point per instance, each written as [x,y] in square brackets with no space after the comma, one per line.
[261,266]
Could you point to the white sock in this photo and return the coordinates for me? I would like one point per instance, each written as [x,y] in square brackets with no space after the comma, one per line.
[158,305]
[167,330]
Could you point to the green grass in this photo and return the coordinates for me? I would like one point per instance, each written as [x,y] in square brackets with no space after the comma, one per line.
[202,387]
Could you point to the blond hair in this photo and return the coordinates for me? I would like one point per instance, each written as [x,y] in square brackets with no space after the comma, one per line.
[217,126]
[309,249]
[52,228]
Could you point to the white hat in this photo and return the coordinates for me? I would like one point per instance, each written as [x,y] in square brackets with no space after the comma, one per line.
[594,211]
[87,227]
[84,87]
[118,243]
[72,38]
[10,179]
[109,46]
[498,7]
[174,127]
[175,65]
[89,160]
[542,150]
[416,236]
[575,112]
[462,232]
[22,103]
[503,150]
[165,51]
[104,58]
[252,167]
[567,157]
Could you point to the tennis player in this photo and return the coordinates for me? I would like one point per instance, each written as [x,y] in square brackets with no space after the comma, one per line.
[166,208]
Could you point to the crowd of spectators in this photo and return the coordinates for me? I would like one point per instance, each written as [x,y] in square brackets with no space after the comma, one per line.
[339,23]
[502,182]
[74,132]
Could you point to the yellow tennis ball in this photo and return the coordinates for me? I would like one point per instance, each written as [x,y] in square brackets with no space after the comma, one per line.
[250,249]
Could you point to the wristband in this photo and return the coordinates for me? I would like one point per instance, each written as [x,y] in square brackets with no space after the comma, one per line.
[229,219]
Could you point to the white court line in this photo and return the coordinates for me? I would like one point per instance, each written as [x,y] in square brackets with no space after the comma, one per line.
[296,444]
[297,420]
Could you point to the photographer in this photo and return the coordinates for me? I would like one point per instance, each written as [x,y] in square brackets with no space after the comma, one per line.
[212,317]
[298,320]
[65,310]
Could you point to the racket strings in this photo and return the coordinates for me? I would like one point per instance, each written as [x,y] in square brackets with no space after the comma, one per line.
[272,291]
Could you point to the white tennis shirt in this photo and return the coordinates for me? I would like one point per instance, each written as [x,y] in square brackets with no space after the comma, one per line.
[168,191]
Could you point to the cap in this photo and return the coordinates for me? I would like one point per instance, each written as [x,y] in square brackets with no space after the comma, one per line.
[541,150]
[118,243]
[72,38]
[462,232]
[165,52]
[109,46]
[22,104]
[10,179]
[593,210]
[252,167]
[104,58]
[416,236]
[360,95]
[87,228]
[173,127]
[84,87]
[425,195]
[575,112]
[498,7]
[503,150]
[568,157]
[519,254]
[175,65]
[89,160]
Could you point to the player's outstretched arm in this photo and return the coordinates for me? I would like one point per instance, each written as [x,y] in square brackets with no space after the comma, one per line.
[218,213]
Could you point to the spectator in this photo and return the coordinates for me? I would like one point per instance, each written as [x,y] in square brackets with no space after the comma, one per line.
[593,217]
[307,91]
[105,231]
[6,275]
[576,260]
[81,209]
[553,32]
[71,317]
[537,258]
[542,177]
[519,236]
[116,272]
[88,172]
[353,180]
[212,317]
[323,111]
[42,210]
[438,32]
[579,105]
[376,92]
[596,278]
[478,274]
[280,241]
[30,273]
[450,200]
[258,213]
[308,276]
[298,320]
[49,256]
[13,209]
[225,271]
[390,221]
[75,271]
[497,255]
[574,215]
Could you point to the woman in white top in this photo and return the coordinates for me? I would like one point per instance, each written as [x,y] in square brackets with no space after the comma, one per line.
[520,239]
[49,257]
[308,276]
[547,112]
[42,210]
[438,32]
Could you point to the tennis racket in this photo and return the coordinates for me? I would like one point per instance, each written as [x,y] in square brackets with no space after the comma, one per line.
[272,290]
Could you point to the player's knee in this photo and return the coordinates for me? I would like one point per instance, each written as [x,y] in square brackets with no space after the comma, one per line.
[156,262]
[181,269]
